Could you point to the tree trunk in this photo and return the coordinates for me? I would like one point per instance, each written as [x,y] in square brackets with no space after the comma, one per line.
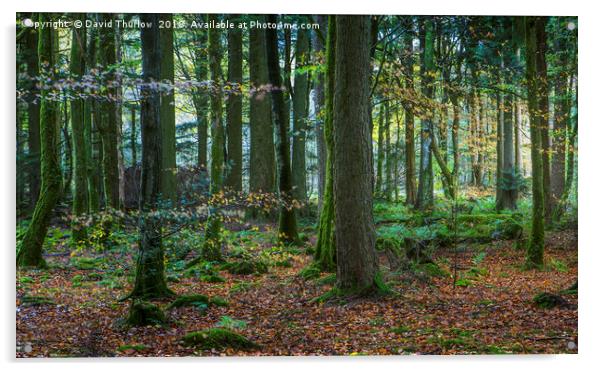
[167,112]
[357,265]
[318,43]
[212,246]
[80,194]
[561,115]
[287,230]
[535,37]
[300,111]
[234,111]
[200,99]
[30,249]
[410,164]
[426,199]
[33,118]
[262,177]
[108,123]
[325,256]
[150,270]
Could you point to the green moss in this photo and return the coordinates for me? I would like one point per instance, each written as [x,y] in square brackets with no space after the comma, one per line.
[34,301]
[310,272]
[212,278]
[547,300]
[218,301]
[136,347]
[218,338]
[246,267]
[144,313]
[196,300]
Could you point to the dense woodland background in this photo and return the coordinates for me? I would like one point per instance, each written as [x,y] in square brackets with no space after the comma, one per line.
[250,190]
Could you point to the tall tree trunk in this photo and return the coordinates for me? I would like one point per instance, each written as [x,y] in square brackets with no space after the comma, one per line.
[321,150]
[287,230]
[150,270]
[535,37]
[108,120]
[33,117]
[561,115]
[80,194]
[262,177]
[234,111]
[168,116]
[426,199]
[357,265]
[300,111]
[200,99]
[325,256]
[410,164]
[30,249]
[212,246]
[92,113]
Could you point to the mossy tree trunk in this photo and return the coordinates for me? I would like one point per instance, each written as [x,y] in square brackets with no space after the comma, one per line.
[168,116]
[425,199]
[325,256]
[357,265]
[150,270]
[262,177]
[300,112]
[108,120]
[33,118]
[212,245]
[92,121]
[30,249]
[535,36]
[80,193]
[287,225]
[234,111]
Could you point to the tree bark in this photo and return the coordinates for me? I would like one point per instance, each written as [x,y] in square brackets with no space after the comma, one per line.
[30,249]
[300,111]
[262,177]
[80,194]
[212,246]
[357,265]
[287,230]
[234,111]
[535,37]
[150,270]
[167,112]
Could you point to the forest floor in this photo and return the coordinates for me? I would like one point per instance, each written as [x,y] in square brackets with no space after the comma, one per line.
[489,310]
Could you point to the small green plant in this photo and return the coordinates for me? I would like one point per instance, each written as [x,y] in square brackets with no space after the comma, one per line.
[231,323]
[558,265]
